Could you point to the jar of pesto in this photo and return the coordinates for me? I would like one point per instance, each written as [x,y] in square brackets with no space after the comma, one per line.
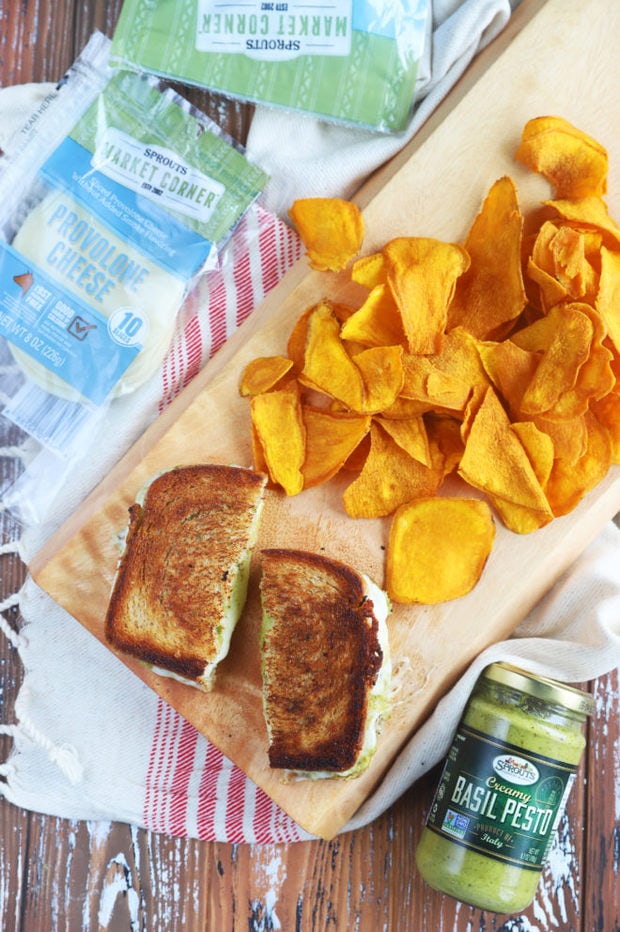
[503,789]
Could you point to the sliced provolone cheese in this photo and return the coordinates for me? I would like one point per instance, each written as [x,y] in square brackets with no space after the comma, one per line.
[108,274]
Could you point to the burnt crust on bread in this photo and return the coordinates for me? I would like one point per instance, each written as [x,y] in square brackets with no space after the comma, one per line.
[320,657]
[176,574]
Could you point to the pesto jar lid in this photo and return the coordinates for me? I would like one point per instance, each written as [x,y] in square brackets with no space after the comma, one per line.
[541,687]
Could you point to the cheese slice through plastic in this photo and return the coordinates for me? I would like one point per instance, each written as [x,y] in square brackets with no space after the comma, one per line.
[86,257]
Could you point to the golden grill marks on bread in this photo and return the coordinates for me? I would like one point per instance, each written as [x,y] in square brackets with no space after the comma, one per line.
[325,664]
[182,579]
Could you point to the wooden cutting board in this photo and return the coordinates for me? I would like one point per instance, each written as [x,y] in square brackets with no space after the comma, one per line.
[558,57]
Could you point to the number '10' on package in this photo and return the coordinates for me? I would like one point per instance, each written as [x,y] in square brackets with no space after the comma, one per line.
[347,61]
[113,202]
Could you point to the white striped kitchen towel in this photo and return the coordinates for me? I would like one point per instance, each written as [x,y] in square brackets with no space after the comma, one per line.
[192,788]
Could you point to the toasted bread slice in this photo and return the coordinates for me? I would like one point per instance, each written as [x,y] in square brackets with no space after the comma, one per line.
[182,580]
[325,664]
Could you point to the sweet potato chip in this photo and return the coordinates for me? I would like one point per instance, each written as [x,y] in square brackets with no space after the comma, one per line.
[560,266]
[607,413]
[460,356]
[569,482]
[567,248]
[437,549]
[369,271]
[365,381]
[520,519]
[422,273]
[377,322]
[278,422]
[608,297]
[495,462]
[596,376]
[330,441]
[331,230]
[446,380]
[589,213]
[558,369]
[444,434]
[575,366]
[327,365]
[381,368]
[511,370]
[539,448]
[355,462]
[263,373]
[411,435]
[296,345]
[490,294]
[568,435]
[405,408]
[550,291]
[390,477]
[426,383]
[573,162]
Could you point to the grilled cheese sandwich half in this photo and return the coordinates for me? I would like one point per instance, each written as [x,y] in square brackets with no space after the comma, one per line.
[182,579]
[325,664]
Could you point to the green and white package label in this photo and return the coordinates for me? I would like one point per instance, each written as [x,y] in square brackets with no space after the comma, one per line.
[135,144]
[351,62]
[274,31]
[158,173]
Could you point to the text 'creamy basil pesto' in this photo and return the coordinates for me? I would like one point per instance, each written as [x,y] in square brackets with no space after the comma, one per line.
[354,63]
[503,789]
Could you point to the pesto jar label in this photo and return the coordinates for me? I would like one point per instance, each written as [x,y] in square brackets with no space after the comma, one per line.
[500,800]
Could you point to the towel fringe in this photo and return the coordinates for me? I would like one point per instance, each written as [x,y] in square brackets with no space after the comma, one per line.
[15,547]
[12,636]
[13,452]
[7,769]
[64,755]
[11,601]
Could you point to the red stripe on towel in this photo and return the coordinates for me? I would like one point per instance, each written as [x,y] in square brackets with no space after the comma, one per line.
[208,824]
[181,776]
[235,806]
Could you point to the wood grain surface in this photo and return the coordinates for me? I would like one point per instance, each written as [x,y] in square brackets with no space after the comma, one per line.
[62,874]
[434,644]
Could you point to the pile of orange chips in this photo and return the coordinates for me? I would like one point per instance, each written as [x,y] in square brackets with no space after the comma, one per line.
[497,360]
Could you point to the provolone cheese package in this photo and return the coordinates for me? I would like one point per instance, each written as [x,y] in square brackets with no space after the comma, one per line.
[348,61]
[114,201]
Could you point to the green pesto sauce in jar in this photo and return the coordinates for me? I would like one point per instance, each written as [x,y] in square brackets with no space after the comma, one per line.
[503,789]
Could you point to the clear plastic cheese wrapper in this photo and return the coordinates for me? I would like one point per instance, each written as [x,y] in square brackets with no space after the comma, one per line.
[115,199]
[348,61]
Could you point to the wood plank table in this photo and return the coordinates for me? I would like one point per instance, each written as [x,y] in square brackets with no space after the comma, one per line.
[63,874]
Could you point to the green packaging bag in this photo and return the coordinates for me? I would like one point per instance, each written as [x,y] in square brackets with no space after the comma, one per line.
[348,61]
